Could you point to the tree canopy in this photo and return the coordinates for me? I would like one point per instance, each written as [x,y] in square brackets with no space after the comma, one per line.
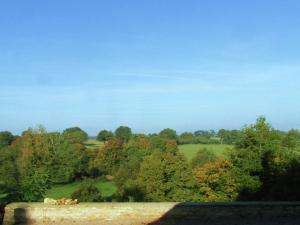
[124,133]
[75,135]
[6,138]
[104,135]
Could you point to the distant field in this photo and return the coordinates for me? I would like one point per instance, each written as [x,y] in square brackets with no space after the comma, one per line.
[107,189]
[93,143]
[190,150]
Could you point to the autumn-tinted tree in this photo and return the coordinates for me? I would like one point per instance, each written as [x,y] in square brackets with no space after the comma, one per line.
[75,135]
[37,159]
[215,181]
[163,145]
[138,147]
[104,135]
[110,156]
[33,157]
[124,133]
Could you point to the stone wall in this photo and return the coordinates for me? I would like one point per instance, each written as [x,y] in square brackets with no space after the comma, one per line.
[154,214]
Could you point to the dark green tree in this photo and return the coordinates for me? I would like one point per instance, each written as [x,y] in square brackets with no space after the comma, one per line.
[229,136]
[9,175]
[205,133]
[186,138]
[251,159]
[75,135]
[202,157]
[169,134]
[87,192]
[123,133]
[104,135]
[6,138]
[166,176]
[34,185]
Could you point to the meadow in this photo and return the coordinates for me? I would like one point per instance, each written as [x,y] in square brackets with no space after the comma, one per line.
[190,150]
[107,189]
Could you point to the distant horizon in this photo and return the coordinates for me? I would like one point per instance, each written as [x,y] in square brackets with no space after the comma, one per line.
[137,131]
[149,65]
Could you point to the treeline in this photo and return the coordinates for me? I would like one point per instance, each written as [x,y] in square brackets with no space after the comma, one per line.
[263,165]
[198,137]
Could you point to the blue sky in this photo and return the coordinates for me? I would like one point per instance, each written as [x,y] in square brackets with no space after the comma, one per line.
[149,64]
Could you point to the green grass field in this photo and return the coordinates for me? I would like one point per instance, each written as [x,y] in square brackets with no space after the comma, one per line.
[107,189]
[93,143]
[190,150]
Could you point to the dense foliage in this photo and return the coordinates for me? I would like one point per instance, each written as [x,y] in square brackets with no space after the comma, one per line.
[104,135]
[87,192]
[264,164]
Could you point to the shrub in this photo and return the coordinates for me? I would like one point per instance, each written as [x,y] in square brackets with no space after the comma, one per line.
[87,192]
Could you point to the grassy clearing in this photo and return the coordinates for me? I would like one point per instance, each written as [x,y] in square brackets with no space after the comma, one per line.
[93,143]
[107,189]
[190,150]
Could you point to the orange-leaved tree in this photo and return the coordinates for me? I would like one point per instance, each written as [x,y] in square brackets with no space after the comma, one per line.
[215,181]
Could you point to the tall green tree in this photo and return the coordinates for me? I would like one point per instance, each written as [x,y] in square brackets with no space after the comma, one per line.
[251,158]
[124,133]
[166,176]
[104,135]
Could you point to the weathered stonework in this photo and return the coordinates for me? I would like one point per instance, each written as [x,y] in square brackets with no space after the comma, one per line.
[153,213]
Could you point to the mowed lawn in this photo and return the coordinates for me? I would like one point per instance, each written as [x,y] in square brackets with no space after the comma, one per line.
[190,150]
[107,189]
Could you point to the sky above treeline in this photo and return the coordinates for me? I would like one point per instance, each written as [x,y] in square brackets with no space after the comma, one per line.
[149,64]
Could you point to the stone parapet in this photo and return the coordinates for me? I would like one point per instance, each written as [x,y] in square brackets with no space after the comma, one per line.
[254,213]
